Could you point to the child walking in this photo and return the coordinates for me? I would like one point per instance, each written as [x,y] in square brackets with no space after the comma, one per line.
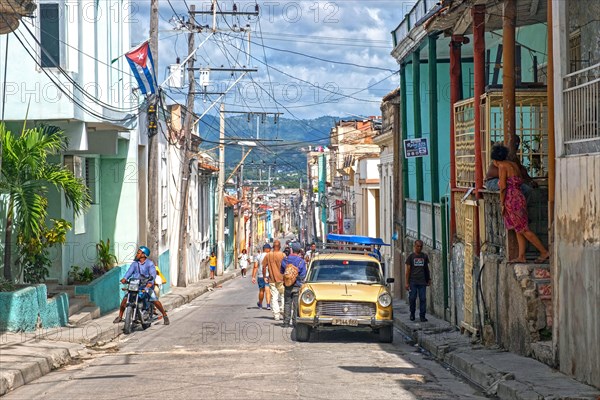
[213,264]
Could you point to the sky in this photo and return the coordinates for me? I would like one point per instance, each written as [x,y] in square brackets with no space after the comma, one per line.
[314,58]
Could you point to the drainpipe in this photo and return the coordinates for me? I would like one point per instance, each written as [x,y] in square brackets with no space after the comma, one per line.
[455,95]
[509,21]
[478,13]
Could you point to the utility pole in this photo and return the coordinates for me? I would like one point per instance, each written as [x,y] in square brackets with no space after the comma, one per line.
[186,168]
[152,211]
[310,223]
[220,193]
[240,191]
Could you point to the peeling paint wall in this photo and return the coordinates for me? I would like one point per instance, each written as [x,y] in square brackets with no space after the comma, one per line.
[457,283]
[577,281]
[516,302]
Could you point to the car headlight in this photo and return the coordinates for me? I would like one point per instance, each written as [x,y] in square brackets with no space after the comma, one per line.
[385,300]
[308,296]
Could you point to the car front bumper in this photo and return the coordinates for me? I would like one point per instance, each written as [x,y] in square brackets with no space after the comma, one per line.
[344,322]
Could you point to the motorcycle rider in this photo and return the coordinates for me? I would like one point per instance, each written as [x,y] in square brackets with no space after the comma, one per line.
[142,268]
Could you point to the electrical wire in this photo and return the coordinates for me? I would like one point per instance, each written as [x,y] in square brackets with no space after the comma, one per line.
[72,81]
[69,94]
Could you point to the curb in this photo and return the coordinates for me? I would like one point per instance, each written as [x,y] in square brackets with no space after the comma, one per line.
[496,372]
[28,371]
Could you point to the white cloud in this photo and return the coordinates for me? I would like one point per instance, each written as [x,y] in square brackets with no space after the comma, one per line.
[350,32]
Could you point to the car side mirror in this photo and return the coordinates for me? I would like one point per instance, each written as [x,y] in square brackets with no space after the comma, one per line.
[389,280]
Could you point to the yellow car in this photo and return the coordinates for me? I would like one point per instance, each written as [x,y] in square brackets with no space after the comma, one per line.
[345,290]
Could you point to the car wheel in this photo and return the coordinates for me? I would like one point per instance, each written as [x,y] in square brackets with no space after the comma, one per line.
[302,332]
[386,334]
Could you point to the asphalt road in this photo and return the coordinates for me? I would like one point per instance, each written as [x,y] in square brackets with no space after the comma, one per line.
[221,346]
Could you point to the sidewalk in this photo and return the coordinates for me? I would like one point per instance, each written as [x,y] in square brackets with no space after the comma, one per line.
[497,372]
[27,356]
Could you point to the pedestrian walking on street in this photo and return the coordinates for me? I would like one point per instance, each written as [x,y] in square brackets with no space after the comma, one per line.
[291,292]
[417,280]
[244,260]
[212,261]
[260,279]
[271,268]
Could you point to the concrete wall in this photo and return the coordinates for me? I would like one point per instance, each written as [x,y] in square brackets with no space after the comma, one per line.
[105,291]
[577,254]
[457,283]
[584,16]
[515,309]
[21,310]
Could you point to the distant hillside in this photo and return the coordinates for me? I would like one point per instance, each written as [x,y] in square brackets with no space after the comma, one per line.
[286,138]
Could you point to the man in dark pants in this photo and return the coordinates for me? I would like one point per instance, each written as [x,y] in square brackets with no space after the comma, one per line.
[417,280]
[290,294]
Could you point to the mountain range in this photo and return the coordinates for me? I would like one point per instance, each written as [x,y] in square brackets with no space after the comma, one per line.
[282,141]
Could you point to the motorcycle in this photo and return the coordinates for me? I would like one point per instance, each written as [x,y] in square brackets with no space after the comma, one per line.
[140,310]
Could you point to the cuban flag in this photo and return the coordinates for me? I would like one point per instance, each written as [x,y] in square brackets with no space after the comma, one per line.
[140,61]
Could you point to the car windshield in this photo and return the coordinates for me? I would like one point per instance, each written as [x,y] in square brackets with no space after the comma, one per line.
[344,271]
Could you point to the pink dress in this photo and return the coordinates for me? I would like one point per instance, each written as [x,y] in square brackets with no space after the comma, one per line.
[515,206]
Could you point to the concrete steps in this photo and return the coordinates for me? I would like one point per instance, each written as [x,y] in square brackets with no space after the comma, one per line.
[81,308]
[84,315]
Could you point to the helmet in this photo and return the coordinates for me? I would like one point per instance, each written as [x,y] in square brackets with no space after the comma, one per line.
[145,250]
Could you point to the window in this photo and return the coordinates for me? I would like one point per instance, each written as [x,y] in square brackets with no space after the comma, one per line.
[91,180]
[575,51]
[49,35]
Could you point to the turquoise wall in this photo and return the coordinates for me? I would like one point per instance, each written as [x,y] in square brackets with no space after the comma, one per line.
[105,291]
[113,173]
[164,262]
[534,42]
[425,127]
[229,220]
[443,93]
[410,124]
[19,310]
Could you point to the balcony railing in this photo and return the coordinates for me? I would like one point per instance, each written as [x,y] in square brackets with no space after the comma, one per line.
[582,105]
[531,128]
[414,16]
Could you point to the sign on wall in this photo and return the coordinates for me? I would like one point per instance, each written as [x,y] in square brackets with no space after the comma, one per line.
[415,148]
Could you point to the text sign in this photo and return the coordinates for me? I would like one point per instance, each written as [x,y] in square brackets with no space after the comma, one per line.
[415,148]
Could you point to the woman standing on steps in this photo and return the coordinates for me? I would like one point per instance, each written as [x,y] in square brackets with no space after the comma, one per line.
[514,206]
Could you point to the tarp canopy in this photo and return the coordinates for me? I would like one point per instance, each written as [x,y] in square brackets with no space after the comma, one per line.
[334,237]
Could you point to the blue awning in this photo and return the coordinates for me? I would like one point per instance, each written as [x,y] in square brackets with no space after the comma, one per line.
[334,237]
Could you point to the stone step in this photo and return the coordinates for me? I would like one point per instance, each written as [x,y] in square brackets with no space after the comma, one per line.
[76,304]
[85,314]
[57,288]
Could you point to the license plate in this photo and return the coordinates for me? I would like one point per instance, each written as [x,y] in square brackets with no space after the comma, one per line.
[344,322]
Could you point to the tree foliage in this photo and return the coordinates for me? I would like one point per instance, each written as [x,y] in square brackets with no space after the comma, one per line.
[26,177]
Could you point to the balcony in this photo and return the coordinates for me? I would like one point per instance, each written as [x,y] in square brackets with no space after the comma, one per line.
[531,128]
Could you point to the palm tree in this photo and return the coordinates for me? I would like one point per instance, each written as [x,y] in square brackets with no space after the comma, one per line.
[26,176]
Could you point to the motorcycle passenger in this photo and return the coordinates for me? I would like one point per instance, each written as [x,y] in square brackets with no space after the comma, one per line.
[142,268]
